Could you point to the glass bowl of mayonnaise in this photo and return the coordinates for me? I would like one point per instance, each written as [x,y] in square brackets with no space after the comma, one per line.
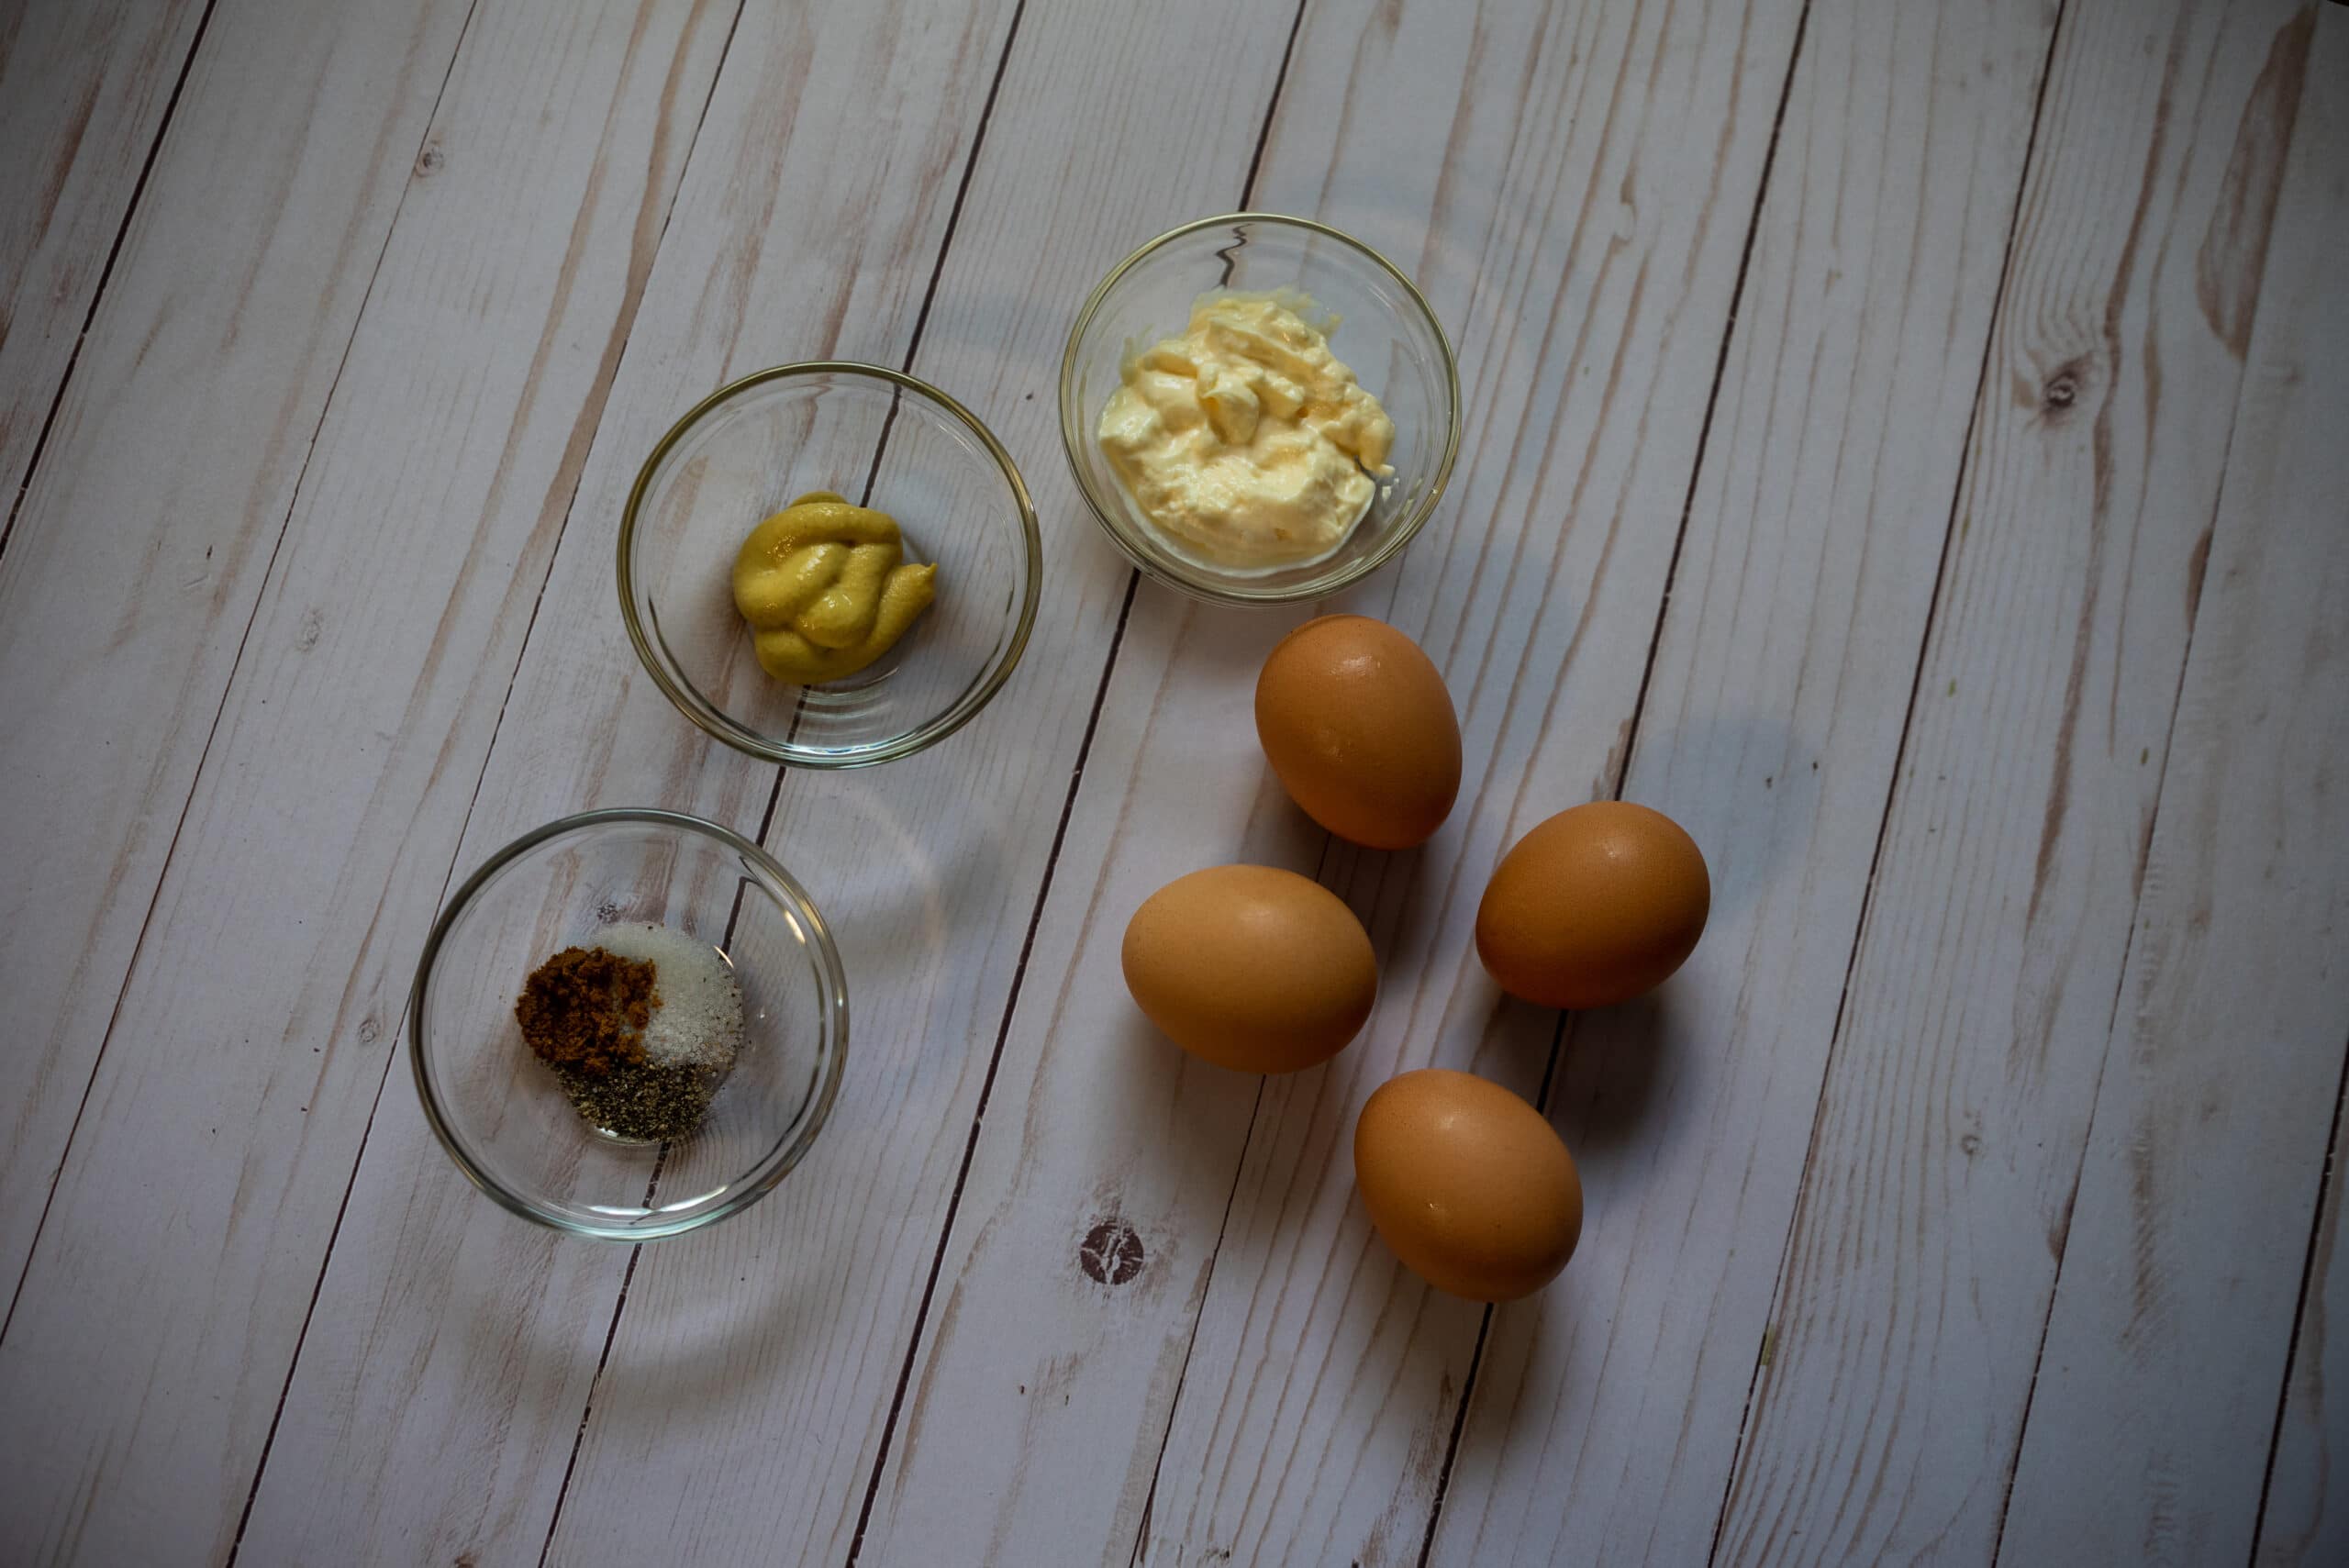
[1259,409]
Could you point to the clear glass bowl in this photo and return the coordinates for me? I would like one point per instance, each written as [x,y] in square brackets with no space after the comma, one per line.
[500,1112]
[882,439]
[1385,334]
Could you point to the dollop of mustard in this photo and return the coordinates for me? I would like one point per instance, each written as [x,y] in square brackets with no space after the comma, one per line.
[826,588]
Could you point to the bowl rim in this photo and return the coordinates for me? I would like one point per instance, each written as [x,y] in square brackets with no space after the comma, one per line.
[833,976]
[930,730]
[1073,436]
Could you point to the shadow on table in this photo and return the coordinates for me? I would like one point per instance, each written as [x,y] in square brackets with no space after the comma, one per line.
[1613,1063]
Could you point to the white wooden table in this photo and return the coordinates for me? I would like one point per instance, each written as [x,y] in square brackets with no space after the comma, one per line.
[1907,441]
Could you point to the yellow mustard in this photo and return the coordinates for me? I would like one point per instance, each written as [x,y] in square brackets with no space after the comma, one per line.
[1244,439]
[826,589]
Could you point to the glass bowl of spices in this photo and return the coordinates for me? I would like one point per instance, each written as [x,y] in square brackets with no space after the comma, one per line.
[1259,409]
[629,1024]
[830,565]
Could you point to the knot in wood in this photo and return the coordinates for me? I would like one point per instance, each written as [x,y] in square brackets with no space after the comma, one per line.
[429,162]
[1111,1252]
[2064,388]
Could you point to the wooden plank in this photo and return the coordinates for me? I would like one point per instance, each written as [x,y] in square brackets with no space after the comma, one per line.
[85,88]
[1605,1414]
[2156,1402]
[162,1307]
[1575,190]
[781,1341]
[1889,1411]
[131,577]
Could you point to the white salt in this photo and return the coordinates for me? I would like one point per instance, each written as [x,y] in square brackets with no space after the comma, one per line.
[699,1020]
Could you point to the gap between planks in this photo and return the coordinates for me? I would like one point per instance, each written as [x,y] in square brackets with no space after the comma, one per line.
[106,276]
[252,617]
[2309,1285]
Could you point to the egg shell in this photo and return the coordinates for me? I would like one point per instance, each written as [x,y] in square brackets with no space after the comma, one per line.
[1358,727]
[1252,968]
[1594,906]
[1468,1184]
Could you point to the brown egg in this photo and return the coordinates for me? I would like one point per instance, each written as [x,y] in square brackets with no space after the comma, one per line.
[1468,1185]
[1357,724]
[1594,906]
[1252,968]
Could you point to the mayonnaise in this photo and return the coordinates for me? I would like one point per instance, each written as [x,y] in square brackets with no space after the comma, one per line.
[1244,440]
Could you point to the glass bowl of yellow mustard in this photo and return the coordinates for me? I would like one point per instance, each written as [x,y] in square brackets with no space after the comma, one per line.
[830,565]
[1259,409]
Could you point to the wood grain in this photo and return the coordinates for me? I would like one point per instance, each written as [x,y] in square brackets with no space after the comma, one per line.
[1886,1417]
[449,1358]
[2157,1396]
[162,1307]
[1605,1414]
[84,87]
[1521,173]
[131,578]
[782,1340]
[308,605]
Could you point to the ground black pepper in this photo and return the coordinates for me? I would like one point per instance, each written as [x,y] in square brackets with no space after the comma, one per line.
[641,1100]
